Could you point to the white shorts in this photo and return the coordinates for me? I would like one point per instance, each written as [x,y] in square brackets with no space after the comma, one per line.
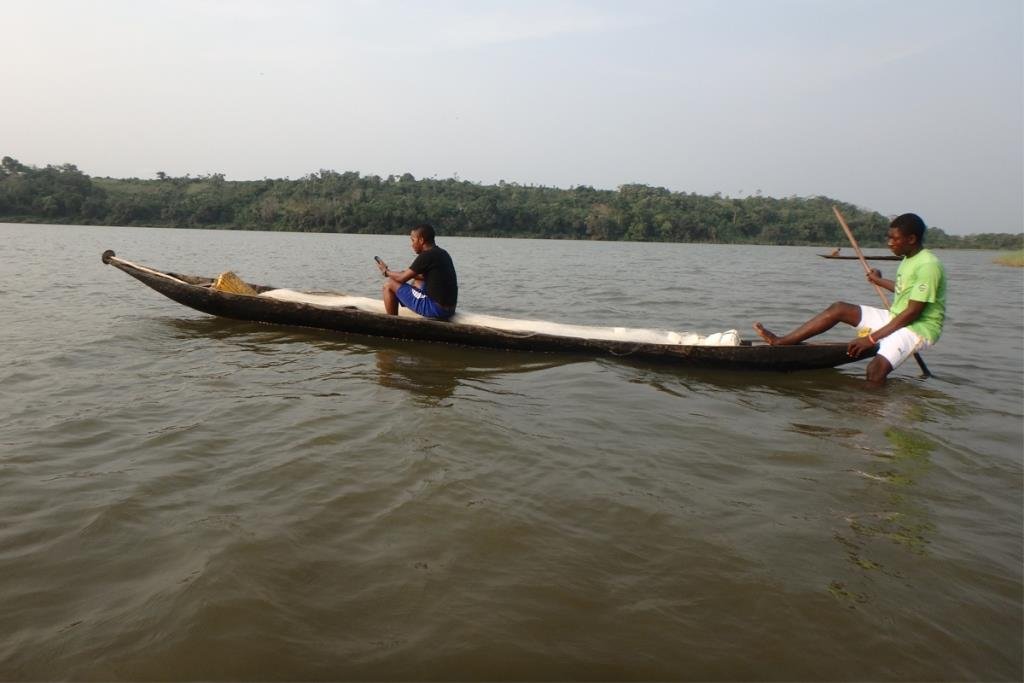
[898,346]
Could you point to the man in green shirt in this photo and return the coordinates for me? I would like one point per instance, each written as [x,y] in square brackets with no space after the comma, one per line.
[912,323]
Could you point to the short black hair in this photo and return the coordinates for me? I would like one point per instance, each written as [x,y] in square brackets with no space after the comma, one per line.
[426,231]
[909,224]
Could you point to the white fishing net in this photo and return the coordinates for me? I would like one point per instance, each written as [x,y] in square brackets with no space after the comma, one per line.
[520,326]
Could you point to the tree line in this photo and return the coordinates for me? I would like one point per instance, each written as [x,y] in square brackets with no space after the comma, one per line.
[329,201]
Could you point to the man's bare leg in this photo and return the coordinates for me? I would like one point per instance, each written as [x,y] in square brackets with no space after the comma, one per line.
[878,370]
[839,312]
[390,298]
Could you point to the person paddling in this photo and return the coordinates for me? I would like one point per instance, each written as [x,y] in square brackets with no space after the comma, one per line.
[436,291]
[913,322]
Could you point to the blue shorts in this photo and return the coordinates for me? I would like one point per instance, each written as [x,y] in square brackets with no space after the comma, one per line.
[417,301]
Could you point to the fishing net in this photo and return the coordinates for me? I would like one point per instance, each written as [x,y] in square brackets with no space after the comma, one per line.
[521,327]
[229,282]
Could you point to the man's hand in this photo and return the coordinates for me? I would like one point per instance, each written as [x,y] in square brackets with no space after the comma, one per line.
[859,346]
[874,276]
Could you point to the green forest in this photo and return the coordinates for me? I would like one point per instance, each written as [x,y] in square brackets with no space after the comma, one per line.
[348,202]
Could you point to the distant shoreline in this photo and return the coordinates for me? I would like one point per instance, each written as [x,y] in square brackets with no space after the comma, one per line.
[1008,258]
[350,203]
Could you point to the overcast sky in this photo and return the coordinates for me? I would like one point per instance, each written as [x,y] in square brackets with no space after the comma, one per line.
[894,105]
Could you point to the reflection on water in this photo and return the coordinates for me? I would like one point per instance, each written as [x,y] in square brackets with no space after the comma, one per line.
[433,372]
[892,520]
[415,374]
[430,371]
[249,335]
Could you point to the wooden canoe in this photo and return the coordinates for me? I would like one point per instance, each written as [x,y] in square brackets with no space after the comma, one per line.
[869,257]
[196,292]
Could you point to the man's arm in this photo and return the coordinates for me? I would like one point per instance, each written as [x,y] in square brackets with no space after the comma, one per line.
[398,276]
[908,315]
[875,278]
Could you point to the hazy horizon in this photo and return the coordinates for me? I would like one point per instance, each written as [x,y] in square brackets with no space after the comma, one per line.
[909,106]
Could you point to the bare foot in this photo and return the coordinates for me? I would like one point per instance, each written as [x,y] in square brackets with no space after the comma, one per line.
[770,337]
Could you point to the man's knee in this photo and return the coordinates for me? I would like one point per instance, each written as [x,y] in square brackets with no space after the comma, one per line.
[842,307]
[844,312]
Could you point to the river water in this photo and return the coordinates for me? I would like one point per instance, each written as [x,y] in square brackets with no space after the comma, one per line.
[184,497]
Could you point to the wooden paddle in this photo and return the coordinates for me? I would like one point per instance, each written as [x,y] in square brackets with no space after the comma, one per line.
[881,292]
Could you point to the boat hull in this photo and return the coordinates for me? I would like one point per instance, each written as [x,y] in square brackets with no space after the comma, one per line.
[889,257]
[195,292]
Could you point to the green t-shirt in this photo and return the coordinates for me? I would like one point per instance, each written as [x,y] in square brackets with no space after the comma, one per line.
[921,277]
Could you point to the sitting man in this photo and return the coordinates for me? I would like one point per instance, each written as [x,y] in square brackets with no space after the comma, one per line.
[437,288]
[912,323]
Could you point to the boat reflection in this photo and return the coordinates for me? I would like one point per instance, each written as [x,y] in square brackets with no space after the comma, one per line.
[430,371]
[436,371]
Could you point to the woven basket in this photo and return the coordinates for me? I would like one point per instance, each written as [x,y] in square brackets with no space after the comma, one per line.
[229,282]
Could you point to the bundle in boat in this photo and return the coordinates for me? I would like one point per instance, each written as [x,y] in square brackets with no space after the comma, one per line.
[519,327]
[231,283]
